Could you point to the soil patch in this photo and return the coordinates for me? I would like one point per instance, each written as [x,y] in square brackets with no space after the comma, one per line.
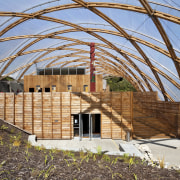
[20,160]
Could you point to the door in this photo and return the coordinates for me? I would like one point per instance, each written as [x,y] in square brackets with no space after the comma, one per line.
[85,126]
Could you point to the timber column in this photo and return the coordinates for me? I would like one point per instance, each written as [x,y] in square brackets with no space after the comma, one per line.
[92,68]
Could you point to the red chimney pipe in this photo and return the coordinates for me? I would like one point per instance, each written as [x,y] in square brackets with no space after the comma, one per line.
[92,68]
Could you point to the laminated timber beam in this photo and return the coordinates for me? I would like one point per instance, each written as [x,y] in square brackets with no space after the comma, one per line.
[64,48]
[52,35]
[91,33]
[97,30]
[128,7]
[97,36]
[35,61]
[128,37]
[118,73]
[116,65]
[162,32]
[121,69]
[109,44]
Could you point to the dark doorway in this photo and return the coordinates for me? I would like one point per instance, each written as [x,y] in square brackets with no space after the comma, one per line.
[85,124]
[96,125]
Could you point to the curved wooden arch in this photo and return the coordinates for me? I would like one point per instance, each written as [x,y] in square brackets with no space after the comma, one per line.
[142,52]
[65,56]
[63,47]
[95,35]
[162,32]
[139,40]
[117,71]
[107,60]
[174,82]
[141,60]
[128,37]
[87,58]
[114,74]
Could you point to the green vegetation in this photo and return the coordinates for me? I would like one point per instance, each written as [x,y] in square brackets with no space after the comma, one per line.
[7,79]
[119,84]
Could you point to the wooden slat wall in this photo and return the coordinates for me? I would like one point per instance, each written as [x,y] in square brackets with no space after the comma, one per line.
[19,111]
[61,82]
[85,104]
[49,115]
[9,109]
[126,113]
[66,115]
[178,124]
[116,115]
[56,115]
[106,115]
[38,115]
[153,118]
[28,112]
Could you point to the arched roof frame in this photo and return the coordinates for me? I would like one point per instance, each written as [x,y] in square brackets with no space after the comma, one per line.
[148,10]
[64,47]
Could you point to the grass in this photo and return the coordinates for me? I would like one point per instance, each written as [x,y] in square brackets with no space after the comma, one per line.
[161,162]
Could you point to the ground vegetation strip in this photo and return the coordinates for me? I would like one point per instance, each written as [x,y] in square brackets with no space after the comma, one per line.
[19,160]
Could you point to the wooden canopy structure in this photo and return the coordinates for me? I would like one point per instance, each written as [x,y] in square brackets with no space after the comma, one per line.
[137,40]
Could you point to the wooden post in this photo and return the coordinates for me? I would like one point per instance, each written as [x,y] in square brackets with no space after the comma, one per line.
[70,118]
[42,114]
[111,112]
[121,116]
[4,106]
[14,109]
[132,130]
[32,113]
[61,111]
[51,116]
[101,112]
[23,110]
[178,130]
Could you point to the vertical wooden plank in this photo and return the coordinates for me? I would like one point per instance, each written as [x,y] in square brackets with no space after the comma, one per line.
[132,129]
[66,115]
[9,107]
[14,109]
[37,114]
[2,105]
[178,131]
[70,118]
[106,115]
[116,115]
[18,110]
[32,113]
[52,130]
[126,114]
[47,118]
[61,112]
[28,111]
[111,112]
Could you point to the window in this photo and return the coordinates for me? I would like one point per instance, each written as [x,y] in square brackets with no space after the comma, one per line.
[38,89]
[85,88]
[53,88]
[47,89]
[69,88]
[31,89]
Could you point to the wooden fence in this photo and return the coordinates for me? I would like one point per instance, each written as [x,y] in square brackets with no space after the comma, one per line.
[153,118]
[49,115]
